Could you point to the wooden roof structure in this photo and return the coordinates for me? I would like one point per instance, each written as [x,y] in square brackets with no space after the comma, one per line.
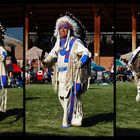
[43,16]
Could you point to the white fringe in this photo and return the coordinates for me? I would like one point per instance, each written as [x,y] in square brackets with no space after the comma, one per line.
[3,100]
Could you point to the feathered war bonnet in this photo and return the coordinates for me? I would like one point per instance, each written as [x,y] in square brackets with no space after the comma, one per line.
[72,23]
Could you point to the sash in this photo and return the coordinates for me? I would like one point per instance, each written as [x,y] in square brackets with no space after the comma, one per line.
[68,52]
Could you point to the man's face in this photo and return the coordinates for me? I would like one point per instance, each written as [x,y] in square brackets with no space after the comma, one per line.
[63,32]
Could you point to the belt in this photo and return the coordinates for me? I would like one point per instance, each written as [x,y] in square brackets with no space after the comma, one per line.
[62,69]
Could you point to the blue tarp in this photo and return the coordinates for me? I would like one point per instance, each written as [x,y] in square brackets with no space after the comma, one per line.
[96,67]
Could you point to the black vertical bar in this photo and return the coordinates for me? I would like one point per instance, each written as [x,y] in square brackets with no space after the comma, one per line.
[24,85]
[114,20]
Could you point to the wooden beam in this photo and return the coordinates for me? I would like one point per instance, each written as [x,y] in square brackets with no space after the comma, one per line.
[96,37]
[134,30]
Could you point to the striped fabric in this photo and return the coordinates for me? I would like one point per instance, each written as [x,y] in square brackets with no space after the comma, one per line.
[75,113]
[68,52]
[3,80]
[72,98]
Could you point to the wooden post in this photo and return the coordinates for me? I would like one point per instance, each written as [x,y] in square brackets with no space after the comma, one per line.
[96,37]
[134,32]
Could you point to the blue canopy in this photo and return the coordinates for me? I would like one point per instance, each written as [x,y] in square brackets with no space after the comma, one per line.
[96,67]
[120,63]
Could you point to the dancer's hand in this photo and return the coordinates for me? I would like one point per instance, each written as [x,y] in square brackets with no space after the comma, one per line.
[46,60]
[1,58]
[78,64]
[43,63]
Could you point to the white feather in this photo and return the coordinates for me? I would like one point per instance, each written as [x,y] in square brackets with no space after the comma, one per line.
[70,21]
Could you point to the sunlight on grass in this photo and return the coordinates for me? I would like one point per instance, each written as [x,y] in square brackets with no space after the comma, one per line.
[12,119]
[127,109]
[44,113]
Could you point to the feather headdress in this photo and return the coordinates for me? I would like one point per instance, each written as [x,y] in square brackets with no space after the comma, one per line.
[1,32]
[74,24]
[1,35]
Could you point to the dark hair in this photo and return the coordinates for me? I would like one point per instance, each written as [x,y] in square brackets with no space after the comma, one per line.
[71,32]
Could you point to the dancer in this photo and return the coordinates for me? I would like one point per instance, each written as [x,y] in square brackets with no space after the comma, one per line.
[71,58]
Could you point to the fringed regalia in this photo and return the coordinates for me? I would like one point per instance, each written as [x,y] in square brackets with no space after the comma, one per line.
[134,66]
[70,75]
[3,80]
